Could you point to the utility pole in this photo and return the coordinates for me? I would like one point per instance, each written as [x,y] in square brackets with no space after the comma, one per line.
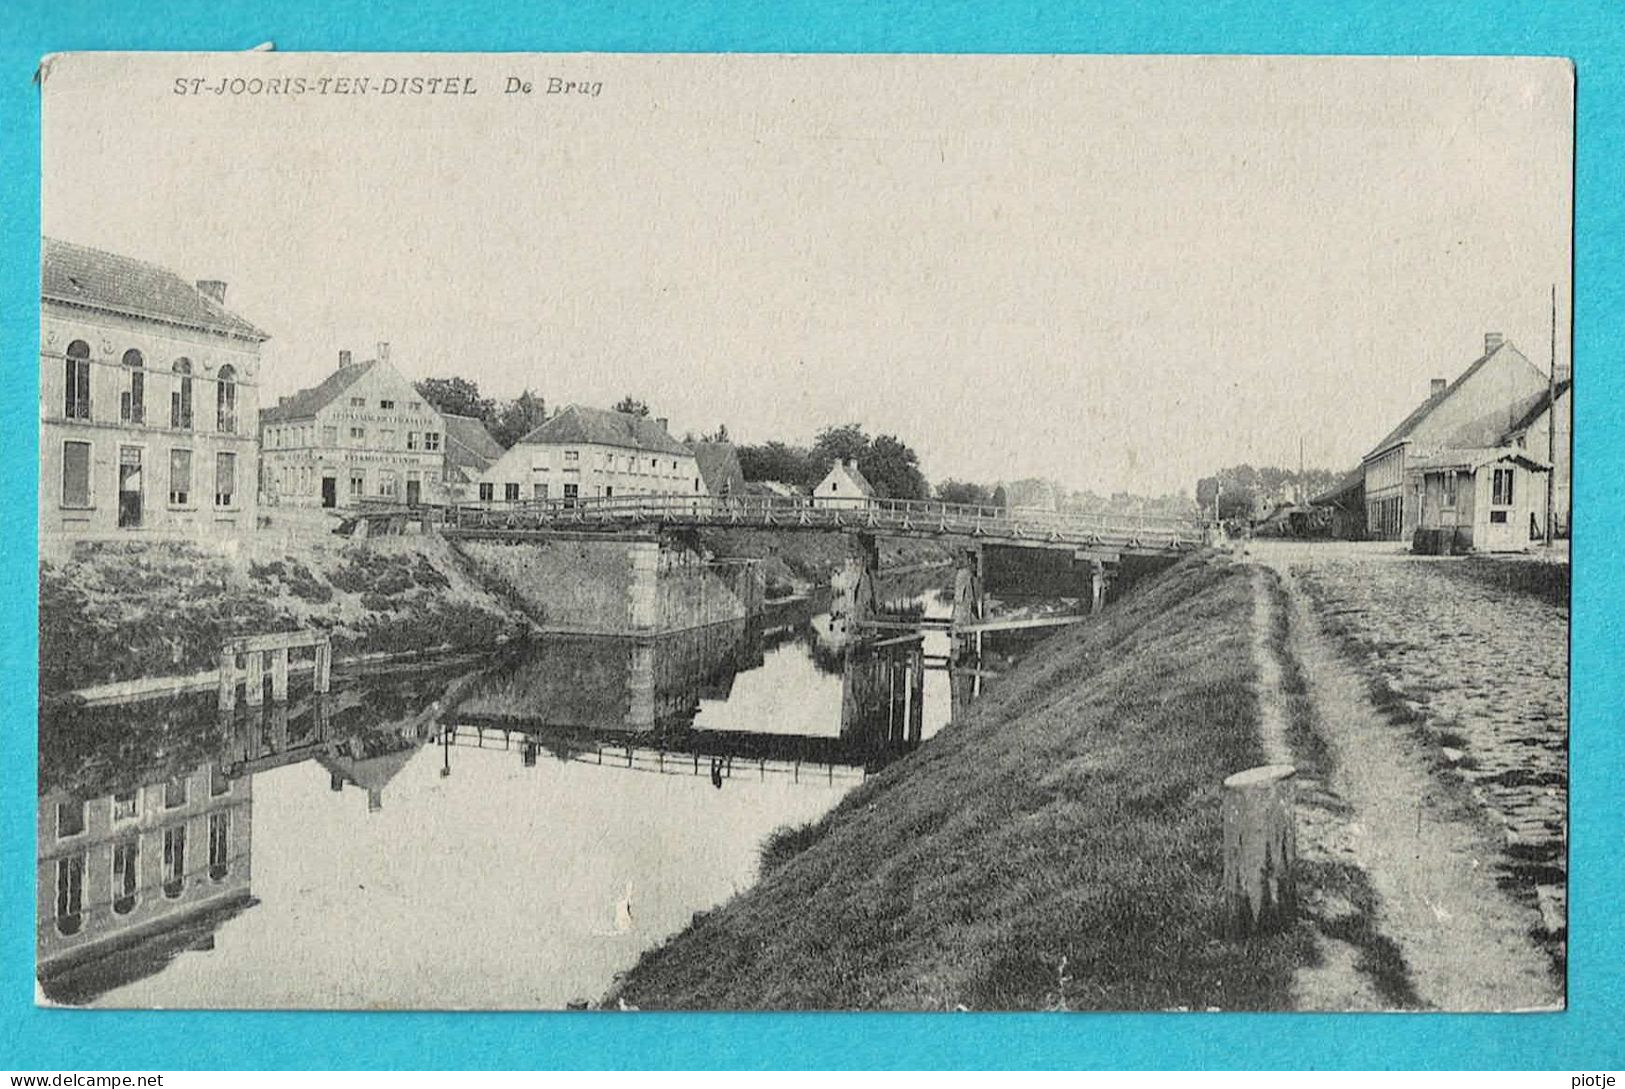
[1551,433]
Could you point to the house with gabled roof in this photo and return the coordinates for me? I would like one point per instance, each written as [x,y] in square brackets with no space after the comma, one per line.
[843,486]
[592,453]
[471,449]
[362,433]
[720,470]
[149,390]
[1491,388]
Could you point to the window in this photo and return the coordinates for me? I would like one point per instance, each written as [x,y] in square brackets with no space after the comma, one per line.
[386,404]
[431,440]
[70,893]
[571,492]
[386,438]
[76,474]
[174,860]
[358,402]
[219,782]
[572,456]
[487,492]
[126,875]
[358,436]
[1501,488]
[1450,489]
[358,483]
[538,491]
[219,836]
[76,389]
[412,441]
[609,491]
[132,402]
[386,483]
[175,792]
[225,479]
[126,805]
[510,492]
[414,405]
[225,400]
[70,818]
[180,477]
[1499,517]
[330,435]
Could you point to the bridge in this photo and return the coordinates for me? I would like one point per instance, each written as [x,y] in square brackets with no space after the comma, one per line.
[1114,534]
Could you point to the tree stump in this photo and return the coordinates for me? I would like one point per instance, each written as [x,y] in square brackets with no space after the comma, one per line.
[1260,850]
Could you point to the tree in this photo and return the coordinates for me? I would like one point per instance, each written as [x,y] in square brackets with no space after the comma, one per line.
[778,461]
[515,419]
[893,468]
[458,396]
[963,491]
[848,442]
[632,406]
[719,435]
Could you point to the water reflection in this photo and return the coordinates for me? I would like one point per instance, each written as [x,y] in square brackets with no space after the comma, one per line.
[410,844]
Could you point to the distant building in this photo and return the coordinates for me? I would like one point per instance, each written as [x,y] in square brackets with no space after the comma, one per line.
[363,433]
[719,468]
[148,397]
[1344,506]
[470,450]
[592,453]
[1491,388]
[777,489]
[843,486]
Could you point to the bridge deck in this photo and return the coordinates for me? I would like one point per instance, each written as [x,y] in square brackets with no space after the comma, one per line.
[1146,535]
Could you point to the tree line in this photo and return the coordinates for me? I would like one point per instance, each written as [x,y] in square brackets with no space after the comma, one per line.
[1243,491]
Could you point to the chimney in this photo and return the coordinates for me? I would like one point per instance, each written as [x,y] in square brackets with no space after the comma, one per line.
[1437,386]
[344,358]
[282,402]
[662,421]
[1492,341]
[214,289]
[383,351]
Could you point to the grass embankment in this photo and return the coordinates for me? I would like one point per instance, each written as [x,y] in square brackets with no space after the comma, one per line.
[115,611]
[797,560]
[1058,848]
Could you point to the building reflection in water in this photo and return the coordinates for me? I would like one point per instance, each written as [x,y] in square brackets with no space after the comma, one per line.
[145,823]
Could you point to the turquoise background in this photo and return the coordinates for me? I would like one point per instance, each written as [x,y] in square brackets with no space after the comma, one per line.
[1589,1036]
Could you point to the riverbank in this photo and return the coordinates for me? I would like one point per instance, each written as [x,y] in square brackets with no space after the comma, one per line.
[1058,848]
[117,611]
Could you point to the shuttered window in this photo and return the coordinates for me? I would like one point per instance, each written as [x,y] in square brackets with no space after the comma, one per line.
[180,477]
[225,479]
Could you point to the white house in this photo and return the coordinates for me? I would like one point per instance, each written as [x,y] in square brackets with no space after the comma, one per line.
[592,453]
[843,486]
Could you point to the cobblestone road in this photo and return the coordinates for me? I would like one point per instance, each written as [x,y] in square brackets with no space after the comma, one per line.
[1486,668]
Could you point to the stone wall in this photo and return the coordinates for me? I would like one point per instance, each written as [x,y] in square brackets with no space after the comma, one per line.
[607,586]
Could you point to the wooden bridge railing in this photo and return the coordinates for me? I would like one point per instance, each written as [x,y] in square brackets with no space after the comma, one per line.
[922,517]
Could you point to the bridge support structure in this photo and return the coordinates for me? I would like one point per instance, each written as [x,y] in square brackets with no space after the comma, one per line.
[970,602]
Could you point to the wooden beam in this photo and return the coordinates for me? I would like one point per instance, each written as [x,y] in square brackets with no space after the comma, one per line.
[1017,625]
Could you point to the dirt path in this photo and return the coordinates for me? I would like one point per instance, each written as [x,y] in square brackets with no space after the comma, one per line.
[1407,906]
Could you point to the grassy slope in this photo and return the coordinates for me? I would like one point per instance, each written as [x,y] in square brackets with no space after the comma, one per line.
[120,610]
[1060,847]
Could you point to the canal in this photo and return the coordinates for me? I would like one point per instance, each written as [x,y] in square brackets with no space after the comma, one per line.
[484,833]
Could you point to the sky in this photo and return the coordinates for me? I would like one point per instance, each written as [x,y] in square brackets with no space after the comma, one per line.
[1120,273]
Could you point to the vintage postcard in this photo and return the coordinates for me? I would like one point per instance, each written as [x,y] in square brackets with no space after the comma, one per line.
[725,532]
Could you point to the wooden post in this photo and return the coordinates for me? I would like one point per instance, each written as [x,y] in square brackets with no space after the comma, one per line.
[1260,850]
[323,669]
[279,675]
[916,694]
[228,679]
[254,678]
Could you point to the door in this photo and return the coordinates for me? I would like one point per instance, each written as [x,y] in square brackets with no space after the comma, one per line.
[414,492]
[330,492]
[129,487]
[1501,534]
